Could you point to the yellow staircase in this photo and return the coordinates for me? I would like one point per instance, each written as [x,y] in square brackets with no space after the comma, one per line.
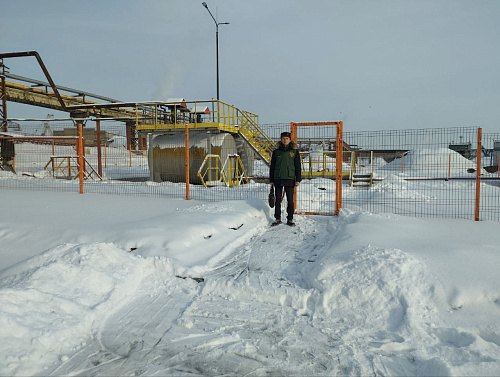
[256,137]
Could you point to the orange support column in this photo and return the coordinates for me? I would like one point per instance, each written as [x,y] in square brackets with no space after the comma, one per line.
[80,156]
[293,131]
[478,174]
[338,167]
[186,158]
[99,153]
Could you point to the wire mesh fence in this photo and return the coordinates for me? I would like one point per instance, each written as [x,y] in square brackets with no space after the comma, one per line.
[490,183]
[428,172]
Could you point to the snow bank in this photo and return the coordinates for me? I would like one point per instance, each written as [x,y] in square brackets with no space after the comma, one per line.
[51,304]
[432,163]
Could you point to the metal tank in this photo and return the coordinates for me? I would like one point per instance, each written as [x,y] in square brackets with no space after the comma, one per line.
[167,154]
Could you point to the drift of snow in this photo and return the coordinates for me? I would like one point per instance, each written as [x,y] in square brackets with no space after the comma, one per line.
[433,163]
[112,285]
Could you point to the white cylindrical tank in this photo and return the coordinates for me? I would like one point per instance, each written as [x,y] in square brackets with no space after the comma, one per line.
[168,154]
[247,155]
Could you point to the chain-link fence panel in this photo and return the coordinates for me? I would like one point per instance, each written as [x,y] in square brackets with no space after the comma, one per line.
[428,172]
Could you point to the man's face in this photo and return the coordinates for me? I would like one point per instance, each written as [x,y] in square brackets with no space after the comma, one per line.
[285,140]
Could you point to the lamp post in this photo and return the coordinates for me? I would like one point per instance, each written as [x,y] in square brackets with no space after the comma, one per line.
[216,43]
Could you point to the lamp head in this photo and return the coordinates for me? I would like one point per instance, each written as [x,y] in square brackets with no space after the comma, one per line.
[205,5]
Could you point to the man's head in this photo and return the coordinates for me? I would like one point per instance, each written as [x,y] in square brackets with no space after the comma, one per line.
[285,138]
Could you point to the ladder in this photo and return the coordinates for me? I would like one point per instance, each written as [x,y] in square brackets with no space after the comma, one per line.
[360,179]
[258,140]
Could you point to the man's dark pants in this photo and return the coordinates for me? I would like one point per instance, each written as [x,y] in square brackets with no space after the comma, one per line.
[278,191]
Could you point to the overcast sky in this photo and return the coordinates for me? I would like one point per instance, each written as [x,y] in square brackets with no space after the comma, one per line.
[388,64]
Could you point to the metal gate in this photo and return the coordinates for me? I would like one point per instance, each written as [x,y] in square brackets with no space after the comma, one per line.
[321,151]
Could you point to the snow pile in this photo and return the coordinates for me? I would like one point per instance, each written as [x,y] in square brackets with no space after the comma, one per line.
[51,303]
[433,163]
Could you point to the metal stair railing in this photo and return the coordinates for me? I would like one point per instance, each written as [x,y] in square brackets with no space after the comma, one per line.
[256,137]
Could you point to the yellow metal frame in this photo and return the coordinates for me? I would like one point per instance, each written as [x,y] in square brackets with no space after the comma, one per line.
[212,164]
[325,172]
[235,170]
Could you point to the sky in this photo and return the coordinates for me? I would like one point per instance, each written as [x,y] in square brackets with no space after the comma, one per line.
[376,65]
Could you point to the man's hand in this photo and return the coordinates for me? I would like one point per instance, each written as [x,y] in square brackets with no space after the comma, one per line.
[297,183]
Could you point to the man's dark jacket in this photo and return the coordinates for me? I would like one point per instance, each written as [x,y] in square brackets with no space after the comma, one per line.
[285,167]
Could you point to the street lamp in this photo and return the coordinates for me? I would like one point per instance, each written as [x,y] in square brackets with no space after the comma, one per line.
[216,43]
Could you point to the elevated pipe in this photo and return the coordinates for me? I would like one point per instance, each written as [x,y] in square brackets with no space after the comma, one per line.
[42,65]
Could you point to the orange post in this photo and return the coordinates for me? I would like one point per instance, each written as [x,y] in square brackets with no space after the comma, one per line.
[99,156]
[130,154]
[105,156]
[186,158]
[478,173]
[293,131]
[338,167]
[403,163]
[80,156]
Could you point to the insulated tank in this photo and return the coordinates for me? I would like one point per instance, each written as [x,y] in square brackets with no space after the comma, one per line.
[167,155]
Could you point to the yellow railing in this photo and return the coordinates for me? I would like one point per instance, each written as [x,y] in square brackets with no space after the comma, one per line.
[196,114]
[157,116]
[256,137]
[323,166]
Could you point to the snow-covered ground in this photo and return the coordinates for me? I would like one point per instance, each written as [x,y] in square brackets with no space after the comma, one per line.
[113,285]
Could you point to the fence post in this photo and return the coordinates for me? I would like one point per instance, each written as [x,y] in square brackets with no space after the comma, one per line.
[478,173]
[338,167]
[80,155]
[186,158]
[293,131]
[99,154]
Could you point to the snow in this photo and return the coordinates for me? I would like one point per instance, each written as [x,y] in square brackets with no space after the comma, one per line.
[117,285]
[111,285]
[434,163]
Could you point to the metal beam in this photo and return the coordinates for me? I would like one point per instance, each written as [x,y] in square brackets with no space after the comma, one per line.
[42,66]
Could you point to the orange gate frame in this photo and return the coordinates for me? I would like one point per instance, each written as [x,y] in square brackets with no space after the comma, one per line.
[338,159]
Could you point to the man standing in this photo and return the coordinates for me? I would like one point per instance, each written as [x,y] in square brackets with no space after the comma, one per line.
[285,173]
